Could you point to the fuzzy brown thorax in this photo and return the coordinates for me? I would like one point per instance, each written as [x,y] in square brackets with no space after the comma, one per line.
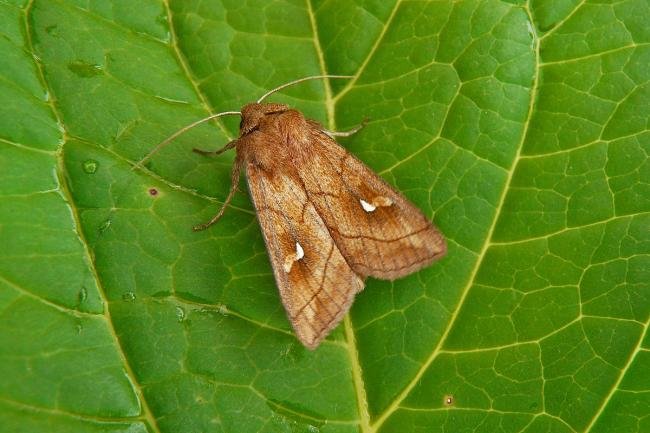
[252,115]
[273,135]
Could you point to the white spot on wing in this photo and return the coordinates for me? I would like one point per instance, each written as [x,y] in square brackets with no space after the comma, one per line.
[367,206]
[291,258]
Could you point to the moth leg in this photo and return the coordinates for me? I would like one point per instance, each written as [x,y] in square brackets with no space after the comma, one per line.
[347,133]
[228,146]
[234,181]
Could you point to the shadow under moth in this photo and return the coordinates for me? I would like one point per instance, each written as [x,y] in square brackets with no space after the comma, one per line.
[328,220]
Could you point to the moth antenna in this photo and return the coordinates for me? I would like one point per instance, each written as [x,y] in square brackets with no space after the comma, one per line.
[179,132]
[300,80]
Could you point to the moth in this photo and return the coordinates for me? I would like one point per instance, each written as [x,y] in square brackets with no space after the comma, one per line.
[328,220]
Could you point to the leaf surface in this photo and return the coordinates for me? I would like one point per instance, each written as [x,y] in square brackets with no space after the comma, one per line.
[520,128]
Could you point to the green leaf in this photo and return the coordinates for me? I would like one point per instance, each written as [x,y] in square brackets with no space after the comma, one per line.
[521,128]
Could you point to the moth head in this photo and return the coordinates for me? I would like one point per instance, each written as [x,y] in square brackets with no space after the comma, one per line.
[253,113]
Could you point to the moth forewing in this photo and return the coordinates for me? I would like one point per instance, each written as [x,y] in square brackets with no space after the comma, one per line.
[379,232]
[316,284]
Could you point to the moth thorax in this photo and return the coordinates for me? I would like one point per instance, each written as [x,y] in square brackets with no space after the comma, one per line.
[251,116]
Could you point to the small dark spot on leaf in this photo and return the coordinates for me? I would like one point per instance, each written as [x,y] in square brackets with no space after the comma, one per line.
[153,192]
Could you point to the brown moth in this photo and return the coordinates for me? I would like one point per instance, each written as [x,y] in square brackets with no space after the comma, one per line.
[327,219]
